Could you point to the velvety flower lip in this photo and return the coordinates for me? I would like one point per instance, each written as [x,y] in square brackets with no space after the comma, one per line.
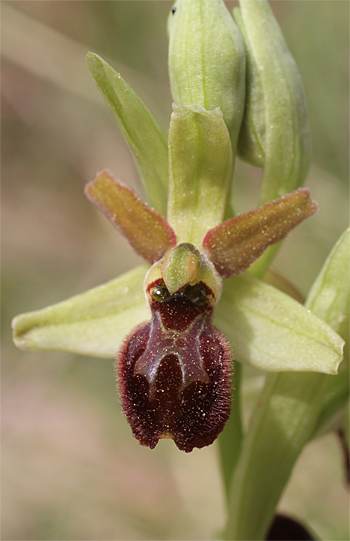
[176,384]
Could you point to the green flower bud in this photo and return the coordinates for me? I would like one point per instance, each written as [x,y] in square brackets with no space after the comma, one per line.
[206,59]
[275,130]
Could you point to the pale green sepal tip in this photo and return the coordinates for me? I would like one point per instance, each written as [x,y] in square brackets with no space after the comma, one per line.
[271,331]
[94,323]
[200,170]
[146,139]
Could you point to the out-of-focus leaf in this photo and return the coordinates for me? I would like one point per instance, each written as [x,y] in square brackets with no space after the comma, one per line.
[147,231]
[93,323]
[145,137]
[270,331]
[233,245]
[200,167]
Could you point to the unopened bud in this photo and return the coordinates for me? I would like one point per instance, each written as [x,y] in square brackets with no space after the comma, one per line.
[206,59]
[275,130]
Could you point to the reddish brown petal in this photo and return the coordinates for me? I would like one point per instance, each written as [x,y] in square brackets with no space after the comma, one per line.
[236,243]
[147,231]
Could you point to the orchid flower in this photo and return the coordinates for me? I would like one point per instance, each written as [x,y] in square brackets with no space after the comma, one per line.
[180,324]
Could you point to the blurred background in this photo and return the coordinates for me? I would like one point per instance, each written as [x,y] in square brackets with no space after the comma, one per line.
[71,469]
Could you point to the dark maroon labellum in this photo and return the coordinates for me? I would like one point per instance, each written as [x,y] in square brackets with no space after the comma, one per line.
[174,372]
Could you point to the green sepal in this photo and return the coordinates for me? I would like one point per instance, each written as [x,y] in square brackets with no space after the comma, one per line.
[148,232]
[285,417]
[236,243]
[206,59]
[94,323]
[200,169]
[271,331]
[275,129]
[146,139]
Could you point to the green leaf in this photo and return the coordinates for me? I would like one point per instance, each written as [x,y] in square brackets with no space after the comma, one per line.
[285,416]
[233,245]
[200,167]
[271,331]
[147,231]
[207,60]
[93,323]
[145,137]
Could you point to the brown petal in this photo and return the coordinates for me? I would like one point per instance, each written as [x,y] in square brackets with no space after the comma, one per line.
[236,243]
[148,232]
